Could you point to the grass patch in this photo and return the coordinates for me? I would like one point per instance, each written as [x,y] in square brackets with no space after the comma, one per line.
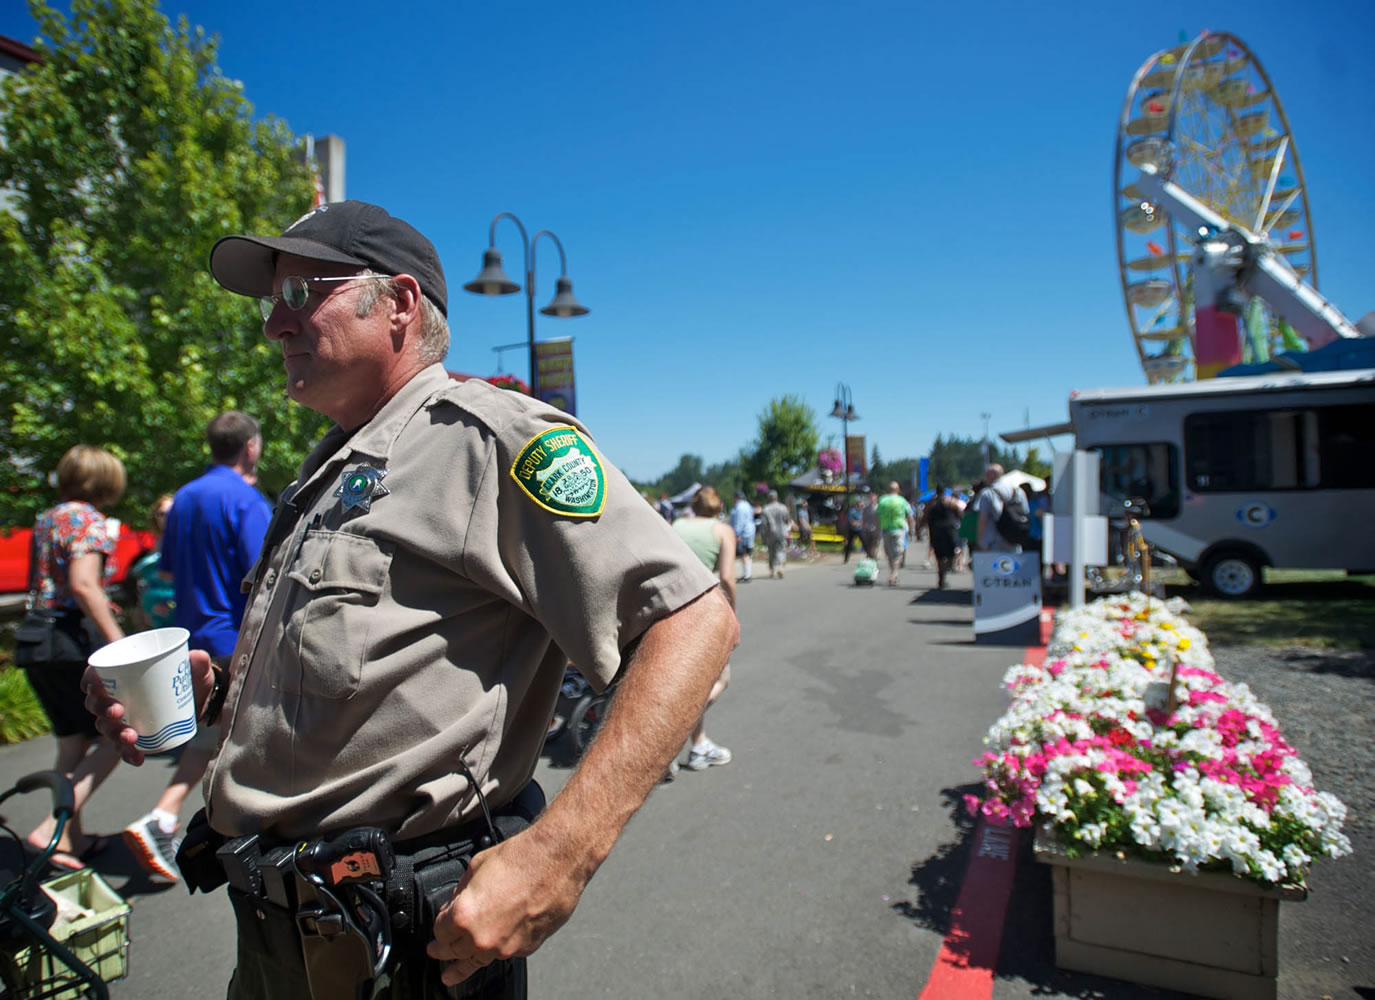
[21,717]
[1295,608]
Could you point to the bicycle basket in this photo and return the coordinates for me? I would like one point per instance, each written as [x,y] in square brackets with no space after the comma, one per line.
[93,922]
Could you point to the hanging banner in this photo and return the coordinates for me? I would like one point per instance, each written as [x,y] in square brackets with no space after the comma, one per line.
[854,447]
[554,374]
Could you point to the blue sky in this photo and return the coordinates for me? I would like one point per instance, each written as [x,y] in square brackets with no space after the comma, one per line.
[768,198]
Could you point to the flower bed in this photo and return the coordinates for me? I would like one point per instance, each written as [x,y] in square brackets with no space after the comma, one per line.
[1092,749]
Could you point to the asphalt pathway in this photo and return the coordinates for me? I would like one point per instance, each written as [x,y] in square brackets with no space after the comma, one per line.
[824,861]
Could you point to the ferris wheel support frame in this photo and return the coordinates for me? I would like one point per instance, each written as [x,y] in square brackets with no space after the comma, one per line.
[1230,263]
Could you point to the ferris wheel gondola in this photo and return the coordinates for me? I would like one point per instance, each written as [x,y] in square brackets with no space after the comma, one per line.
[1207,112]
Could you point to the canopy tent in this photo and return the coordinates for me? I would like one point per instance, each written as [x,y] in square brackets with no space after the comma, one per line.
[812,479]
[684,498]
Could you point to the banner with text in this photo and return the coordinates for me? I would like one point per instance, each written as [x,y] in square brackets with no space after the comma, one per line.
[554,374]
[854,446]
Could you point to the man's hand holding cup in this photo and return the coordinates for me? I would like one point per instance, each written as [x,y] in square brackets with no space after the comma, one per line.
[177,715]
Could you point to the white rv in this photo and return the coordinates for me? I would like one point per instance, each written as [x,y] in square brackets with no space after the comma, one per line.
[1241,472]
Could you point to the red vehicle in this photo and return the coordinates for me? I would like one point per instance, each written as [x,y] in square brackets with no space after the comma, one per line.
[14,555]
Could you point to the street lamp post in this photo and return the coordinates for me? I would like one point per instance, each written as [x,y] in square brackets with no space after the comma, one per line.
[492,280]
[845,410]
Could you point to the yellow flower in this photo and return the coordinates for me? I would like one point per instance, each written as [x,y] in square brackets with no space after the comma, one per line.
[1183,643]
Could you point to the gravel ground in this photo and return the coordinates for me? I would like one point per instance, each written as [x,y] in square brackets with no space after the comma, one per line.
[1324,702]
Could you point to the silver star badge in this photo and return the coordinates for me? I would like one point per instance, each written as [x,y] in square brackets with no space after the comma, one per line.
[360,487]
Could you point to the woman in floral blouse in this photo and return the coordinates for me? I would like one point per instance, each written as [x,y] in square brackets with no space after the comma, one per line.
[69,570]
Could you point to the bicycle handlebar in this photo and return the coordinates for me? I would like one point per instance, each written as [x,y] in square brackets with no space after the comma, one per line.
[61,787]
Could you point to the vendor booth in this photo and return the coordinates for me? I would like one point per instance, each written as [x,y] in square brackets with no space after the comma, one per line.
[823,493]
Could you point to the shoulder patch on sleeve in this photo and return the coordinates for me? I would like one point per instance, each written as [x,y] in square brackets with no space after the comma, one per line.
[559,470]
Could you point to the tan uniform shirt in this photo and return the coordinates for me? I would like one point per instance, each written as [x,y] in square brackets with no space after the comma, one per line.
[447,557]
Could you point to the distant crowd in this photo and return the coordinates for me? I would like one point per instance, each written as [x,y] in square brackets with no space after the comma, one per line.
[954,522]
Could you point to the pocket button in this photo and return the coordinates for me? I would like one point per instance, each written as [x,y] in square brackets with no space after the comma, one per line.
[315,576]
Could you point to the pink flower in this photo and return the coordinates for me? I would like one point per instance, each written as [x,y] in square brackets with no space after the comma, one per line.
[971,804]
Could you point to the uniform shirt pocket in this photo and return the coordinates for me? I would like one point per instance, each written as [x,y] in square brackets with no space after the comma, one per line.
[339,578]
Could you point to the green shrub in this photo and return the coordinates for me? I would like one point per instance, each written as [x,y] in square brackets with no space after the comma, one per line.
[21,717]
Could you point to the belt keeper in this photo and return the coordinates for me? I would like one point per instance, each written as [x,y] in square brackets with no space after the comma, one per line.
[402,892]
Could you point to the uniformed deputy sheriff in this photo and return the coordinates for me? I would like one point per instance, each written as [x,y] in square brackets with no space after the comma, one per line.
[444,552]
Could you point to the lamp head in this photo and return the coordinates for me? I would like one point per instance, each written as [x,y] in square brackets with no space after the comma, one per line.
[838,410]
[564,304]
[491,280]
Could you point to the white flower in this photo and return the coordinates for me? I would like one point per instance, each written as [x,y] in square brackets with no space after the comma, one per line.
[1101,662]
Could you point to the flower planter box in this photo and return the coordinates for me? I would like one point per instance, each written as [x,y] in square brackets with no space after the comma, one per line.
[1211,934]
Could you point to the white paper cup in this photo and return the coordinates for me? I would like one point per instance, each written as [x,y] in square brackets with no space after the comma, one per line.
[149,673]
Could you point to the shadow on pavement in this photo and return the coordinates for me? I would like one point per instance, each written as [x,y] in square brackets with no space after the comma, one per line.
[1027,953]
[938,878]
[949,596]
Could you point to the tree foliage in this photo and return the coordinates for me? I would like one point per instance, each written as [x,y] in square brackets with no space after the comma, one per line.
[687,472]
[786,445]
[878,477]
[127,154]
[961,461]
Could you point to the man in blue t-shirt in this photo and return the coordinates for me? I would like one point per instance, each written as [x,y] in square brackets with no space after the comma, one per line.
[213,533]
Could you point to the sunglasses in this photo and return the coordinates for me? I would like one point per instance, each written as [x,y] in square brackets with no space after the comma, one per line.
[295,291]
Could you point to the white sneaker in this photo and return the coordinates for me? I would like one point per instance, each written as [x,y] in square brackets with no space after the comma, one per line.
[713,756]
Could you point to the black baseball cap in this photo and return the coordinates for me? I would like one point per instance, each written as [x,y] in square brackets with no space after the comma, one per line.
[341,232]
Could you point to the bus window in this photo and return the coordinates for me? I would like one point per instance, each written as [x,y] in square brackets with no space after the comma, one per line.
[1145,471]
[1252,450]
[1346,446]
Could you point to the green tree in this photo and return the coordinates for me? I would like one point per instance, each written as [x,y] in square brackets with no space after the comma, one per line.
[786,445]
[687,472]
[1034,464]
[878,472]
[956,461]
[726,477]
[904,471]
[127,154]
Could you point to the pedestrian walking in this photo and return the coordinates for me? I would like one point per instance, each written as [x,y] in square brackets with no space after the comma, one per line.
[742,523]
[942,517]
[778,527]
[869,524]
[894,523]
[712,541]
[804,529]
[68,617]
[214,532]
[445,551]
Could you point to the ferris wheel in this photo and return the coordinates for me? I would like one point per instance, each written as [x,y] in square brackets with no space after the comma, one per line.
[1206,111]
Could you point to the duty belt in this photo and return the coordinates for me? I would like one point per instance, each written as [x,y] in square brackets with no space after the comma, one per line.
[350,894]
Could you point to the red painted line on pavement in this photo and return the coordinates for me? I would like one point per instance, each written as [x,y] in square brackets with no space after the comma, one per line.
[969,954]
[968,957]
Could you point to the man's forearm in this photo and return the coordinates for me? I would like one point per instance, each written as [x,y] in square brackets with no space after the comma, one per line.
[658,700]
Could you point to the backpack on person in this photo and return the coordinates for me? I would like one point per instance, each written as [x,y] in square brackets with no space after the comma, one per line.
[1014,522]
